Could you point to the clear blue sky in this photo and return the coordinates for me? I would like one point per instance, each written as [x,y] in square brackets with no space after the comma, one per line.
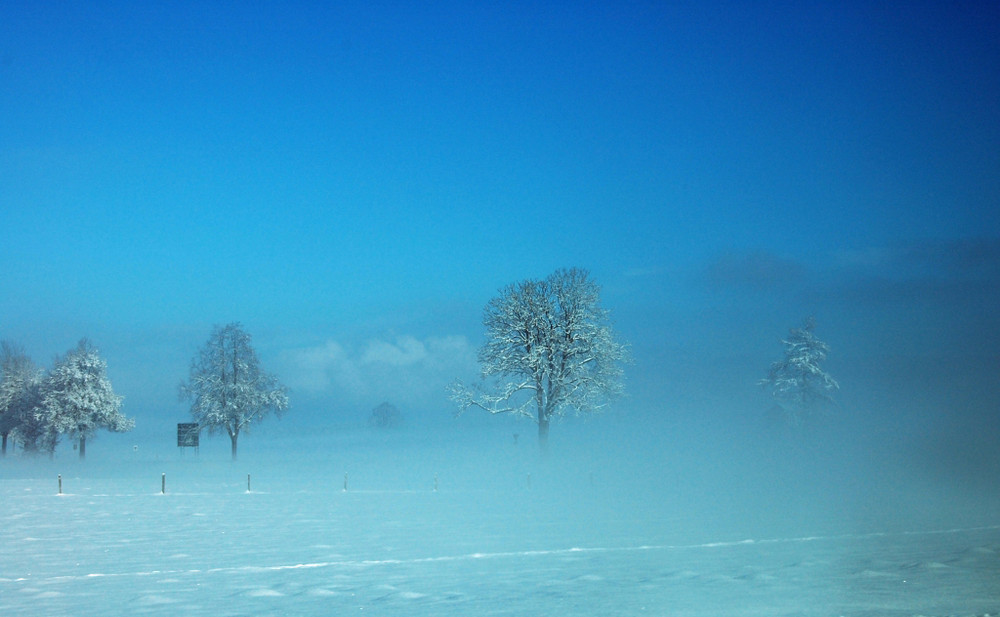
[354,181]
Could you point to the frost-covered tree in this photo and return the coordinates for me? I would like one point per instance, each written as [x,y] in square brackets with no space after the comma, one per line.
[228,389]
[35,430]
[19,379]
[77,397]
[798,383]
[549,350]
[384,416]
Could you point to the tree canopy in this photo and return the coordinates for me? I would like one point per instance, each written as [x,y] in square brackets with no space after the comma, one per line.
[19,380]
[228,389]
[798,383]
[77,397]
[385,416]
[549,350]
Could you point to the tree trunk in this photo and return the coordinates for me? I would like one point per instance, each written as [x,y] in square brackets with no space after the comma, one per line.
[233,437]
[543,435]
[83,447]
[3,450]
[543,419]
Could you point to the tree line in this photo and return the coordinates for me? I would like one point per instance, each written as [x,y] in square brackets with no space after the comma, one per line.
[550,350]
[74,398]
[227,388]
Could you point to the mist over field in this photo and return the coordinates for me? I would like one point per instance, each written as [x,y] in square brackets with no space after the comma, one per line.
[691,518]
[687,496]
[692,468]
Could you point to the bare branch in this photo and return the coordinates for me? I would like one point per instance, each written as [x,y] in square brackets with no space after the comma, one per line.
[228,389]
[549,349]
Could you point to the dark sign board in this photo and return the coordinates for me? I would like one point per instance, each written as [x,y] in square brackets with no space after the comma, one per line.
[187,435]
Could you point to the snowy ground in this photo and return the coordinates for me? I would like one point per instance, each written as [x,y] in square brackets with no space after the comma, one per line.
[490,541]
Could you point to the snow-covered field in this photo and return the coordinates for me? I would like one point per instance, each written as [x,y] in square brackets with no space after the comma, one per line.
[571,539]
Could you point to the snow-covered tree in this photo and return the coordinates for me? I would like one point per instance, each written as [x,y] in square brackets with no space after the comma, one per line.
[77,398]
[384,416]
[228,389]
[549,350]
[798,384]
[19,379]
[35,430]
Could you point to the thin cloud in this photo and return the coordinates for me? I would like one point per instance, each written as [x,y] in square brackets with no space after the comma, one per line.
[758,270]
[408,371]
[321,368]
[970,257]
[962,271]
[406,351]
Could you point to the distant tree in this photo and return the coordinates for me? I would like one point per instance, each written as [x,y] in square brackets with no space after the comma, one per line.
[798,383]
[35,430]
[384,416]
[19,379]
[77,398]
[228,388]
[549,349]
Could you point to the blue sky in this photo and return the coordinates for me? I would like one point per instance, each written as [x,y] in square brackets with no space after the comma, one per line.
[354,181]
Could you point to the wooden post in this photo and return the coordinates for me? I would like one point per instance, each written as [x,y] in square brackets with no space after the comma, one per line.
[248,483]
[60,484]
[345,482]
[163,484]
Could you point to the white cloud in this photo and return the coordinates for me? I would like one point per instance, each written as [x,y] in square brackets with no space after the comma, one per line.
[317,369]
[407,371]
[406,351]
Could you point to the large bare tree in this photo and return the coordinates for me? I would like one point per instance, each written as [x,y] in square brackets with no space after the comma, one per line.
[227,386]
[549,350]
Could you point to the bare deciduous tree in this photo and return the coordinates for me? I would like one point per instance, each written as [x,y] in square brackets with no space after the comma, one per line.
[549,350]
[228,388]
